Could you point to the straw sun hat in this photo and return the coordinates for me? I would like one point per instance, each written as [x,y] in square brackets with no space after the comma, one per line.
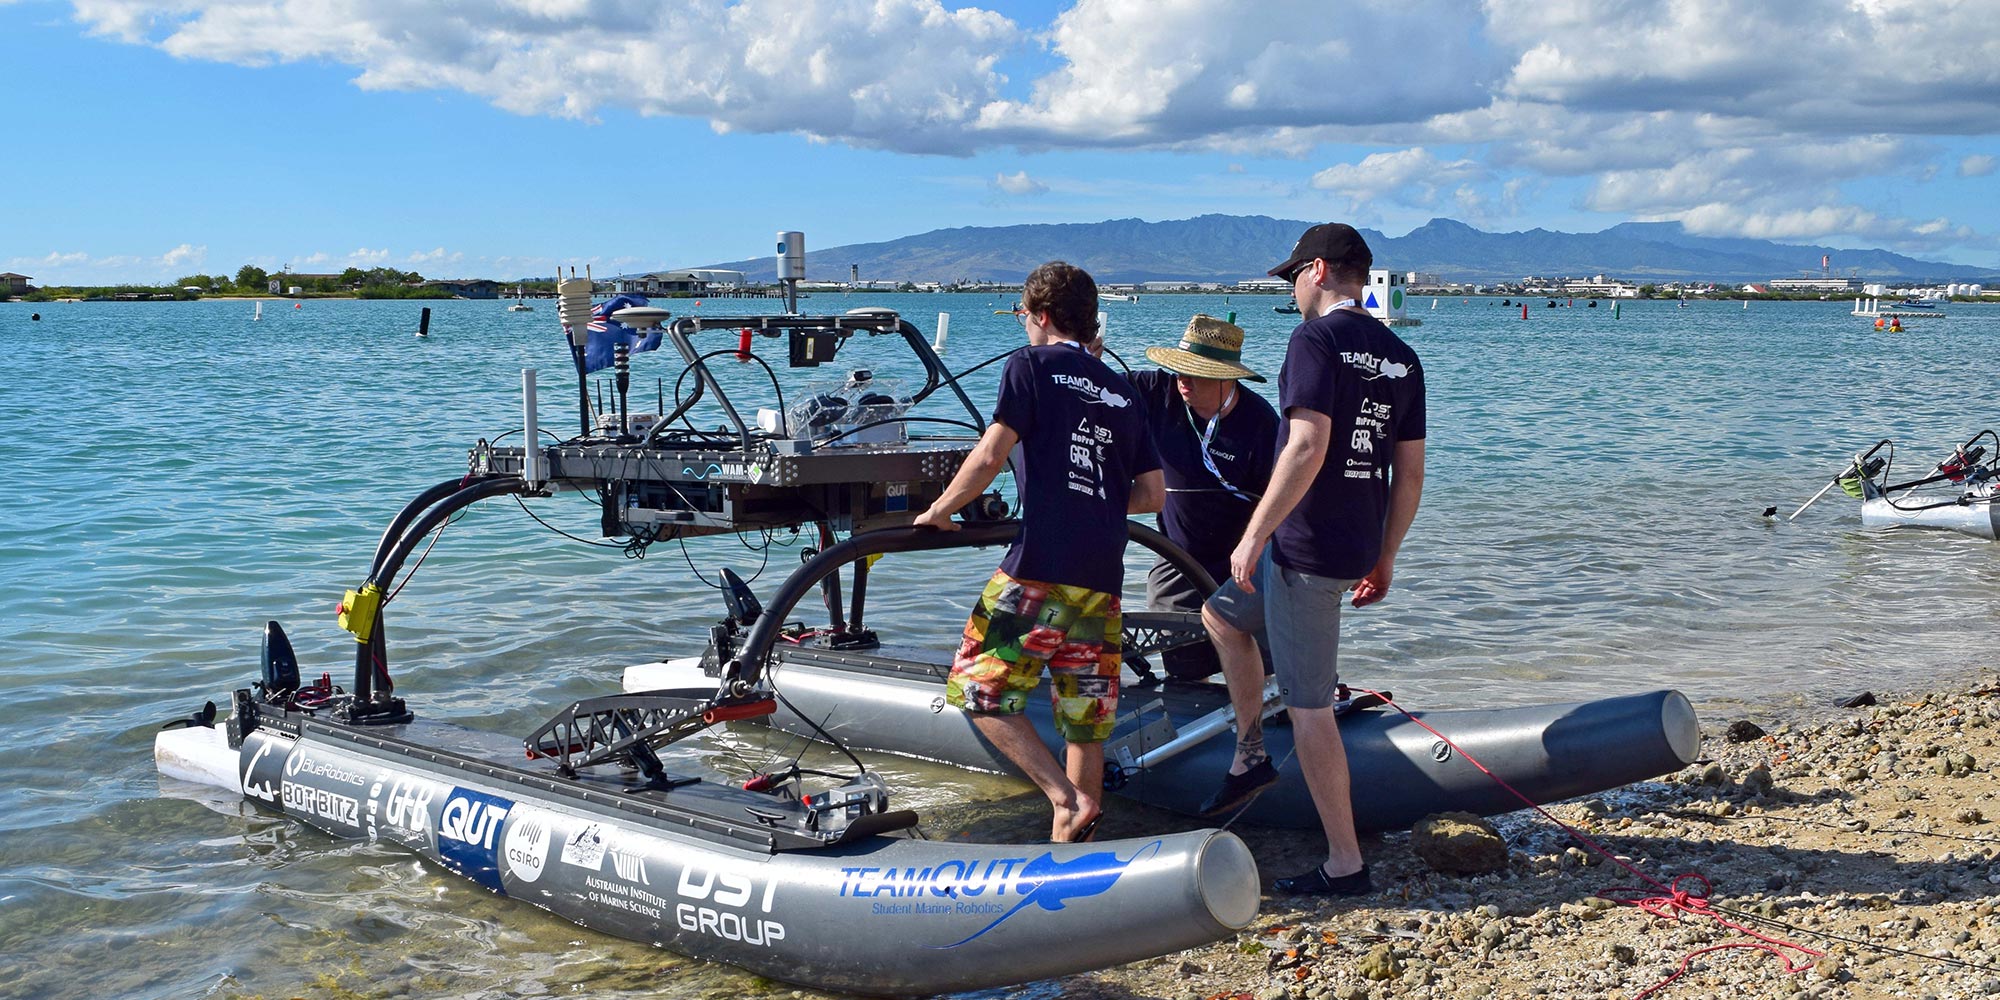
[1211,348]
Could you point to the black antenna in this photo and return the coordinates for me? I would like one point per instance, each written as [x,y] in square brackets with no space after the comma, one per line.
[621,359]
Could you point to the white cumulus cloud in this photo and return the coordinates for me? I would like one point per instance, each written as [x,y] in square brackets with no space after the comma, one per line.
[184,254]
[1413,176]
[1701,110]
[1019,184]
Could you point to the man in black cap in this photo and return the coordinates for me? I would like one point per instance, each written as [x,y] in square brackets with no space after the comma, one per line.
[1344,489]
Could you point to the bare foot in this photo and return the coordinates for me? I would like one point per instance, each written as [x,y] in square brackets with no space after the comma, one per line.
[1078,823]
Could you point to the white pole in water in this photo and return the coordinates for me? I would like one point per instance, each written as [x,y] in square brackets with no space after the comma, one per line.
[1102,329]
[1814,500]
[531,450]
[944,330]
[1822,492]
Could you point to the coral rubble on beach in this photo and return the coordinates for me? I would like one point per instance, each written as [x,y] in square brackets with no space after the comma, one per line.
[1870,834]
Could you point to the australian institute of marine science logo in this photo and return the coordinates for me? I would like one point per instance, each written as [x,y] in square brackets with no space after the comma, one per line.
[1090,391]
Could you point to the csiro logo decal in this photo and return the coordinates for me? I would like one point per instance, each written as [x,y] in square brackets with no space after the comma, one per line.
[527,845]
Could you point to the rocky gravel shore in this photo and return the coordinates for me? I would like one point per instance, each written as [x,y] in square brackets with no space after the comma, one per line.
[1870,836]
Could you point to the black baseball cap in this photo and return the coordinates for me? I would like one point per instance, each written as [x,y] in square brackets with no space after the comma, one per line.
[1334,242]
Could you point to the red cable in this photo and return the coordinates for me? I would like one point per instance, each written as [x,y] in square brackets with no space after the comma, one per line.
[1672,900]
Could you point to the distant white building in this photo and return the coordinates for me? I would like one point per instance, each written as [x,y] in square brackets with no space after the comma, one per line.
[1598,286]
[660,283]
[1264,285]
[716,278]
[1826,284]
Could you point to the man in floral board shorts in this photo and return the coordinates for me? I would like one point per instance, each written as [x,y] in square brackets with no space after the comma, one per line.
[1087,461]
[1020,626]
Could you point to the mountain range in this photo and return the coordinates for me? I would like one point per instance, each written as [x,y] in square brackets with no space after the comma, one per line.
[1229,248]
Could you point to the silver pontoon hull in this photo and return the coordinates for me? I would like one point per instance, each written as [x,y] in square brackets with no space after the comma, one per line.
[881,915]
[1980,518]
[1401,772]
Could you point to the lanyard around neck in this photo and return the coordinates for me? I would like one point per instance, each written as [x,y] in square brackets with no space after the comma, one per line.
[1203,437]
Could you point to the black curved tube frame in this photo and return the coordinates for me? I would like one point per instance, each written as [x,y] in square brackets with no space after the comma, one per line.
[742,673]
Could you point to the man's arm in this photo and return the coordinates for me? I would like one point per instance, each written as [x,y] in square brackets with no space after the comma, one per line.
[1292,475]
[1149,493]
[988,457]
[1406,488]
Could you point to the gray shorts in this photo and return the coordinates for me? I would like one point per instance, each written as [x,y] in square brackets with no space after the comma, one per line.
[1299,615]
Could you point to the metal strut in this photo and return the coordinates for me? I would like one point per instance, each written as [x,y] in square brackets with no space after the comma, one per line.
[628,729]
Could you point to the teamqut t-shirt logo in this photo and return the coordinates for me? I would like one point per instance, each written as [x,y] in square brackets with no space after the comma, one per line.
[468,835]
[1090,390]
[1374,366]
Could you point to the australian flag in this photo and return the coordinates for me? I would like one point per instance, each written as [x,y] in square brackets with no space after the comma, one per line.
[607,333]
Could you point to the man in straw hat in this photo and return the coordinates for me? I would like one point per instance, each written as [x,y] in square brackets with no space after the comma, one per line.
[1216,440]
[1349,474]
[1087,461]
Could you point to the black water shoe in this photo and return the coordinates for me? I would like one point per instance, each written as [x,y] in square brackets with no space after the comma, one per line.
[1238,789]
[1318,883]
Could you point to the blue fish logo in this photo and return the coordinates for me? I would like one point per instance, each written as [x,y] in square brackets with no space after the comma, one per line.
[1051,884]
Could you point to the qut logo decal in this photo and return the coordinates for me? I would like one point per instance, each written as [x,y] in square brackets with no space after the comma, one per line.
[468,835]
[1050,884]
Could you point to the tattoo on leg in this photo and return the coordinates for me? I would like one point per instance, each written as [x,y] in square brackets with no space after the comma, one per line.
[1250,747]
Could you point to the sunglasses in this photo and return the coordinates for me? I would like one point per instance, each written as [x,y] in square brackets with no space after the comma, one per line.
[1292,276]
[1021,313]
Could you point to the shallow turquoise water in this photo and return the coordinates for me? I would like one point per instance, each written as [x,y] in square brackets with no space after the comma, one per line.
[179,474]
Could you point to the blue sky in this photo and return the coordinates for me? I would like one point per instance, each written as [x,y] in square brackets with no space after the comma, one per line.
[145,141]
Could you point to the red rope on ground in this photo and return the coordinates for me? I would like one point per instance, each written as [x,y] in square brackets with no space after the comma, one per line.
[1670,900]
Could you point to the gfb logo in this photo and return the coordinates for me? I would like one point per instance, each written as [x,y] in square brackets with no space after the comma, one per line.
[726,889]
[409,806]
[468,834]
[527,850]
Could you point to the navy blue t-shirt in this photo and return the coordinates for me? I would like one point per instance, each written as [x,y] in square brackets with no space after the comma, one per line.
[1083,440]
[1352,368]
[1200,514]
